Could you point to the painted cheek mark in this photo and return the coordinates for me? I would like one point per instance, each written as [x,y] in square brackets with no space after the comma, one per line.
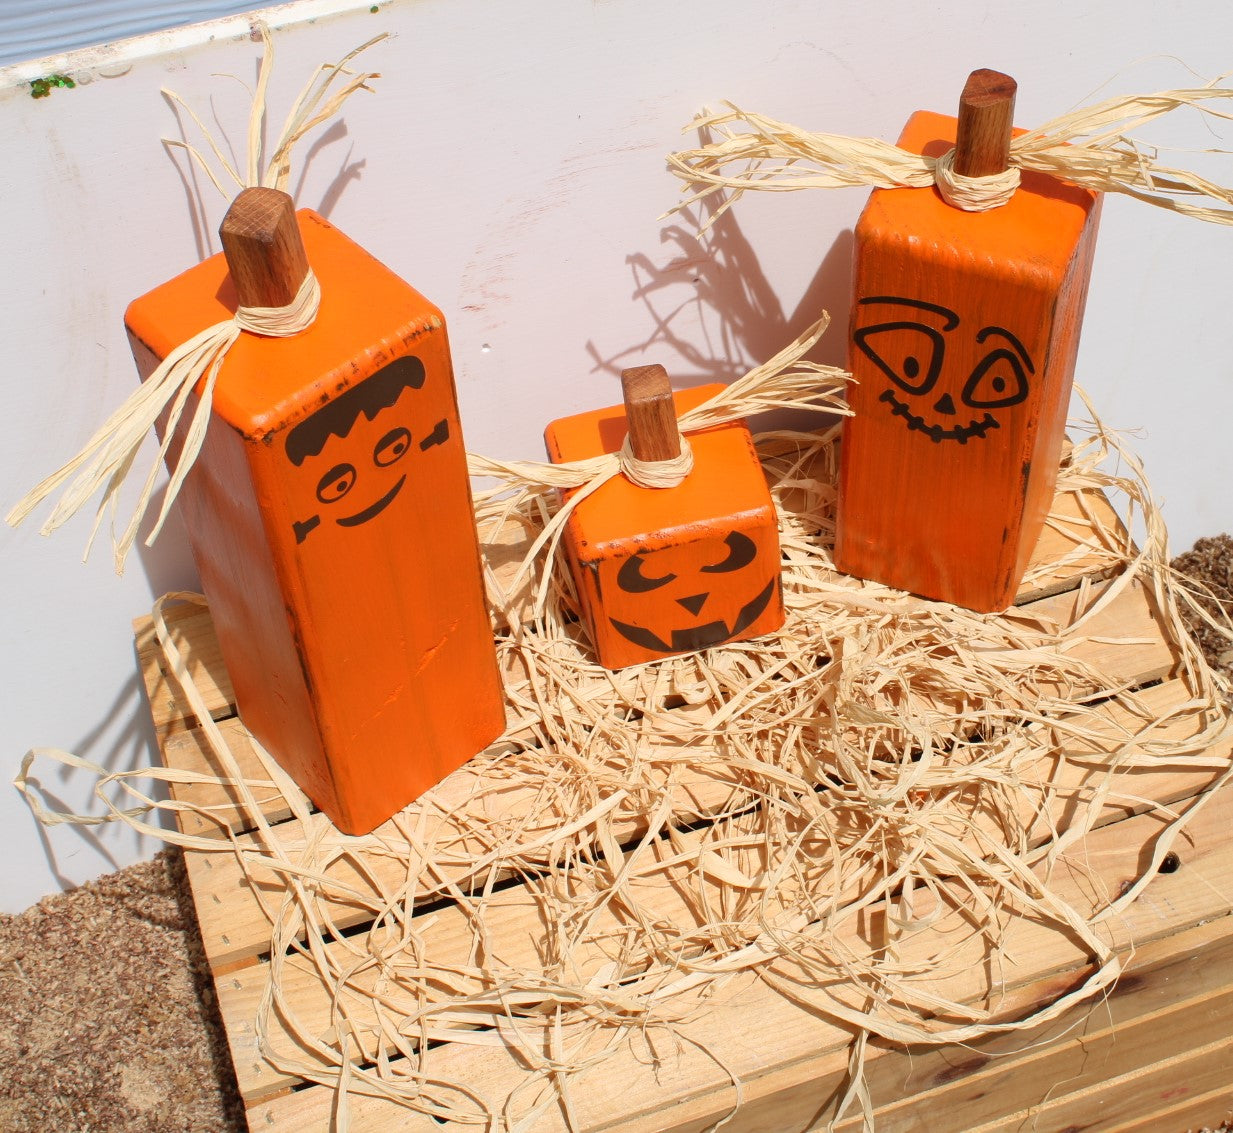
[302,529]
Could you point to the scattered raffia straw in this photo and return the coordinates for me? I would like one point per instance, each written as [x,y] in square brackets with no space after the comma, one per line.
[737,813]
[1089,147]
[106,459]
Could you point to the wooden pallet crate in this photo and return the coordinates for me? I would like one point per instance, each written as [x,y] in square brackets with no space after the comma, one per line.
[1154,1053]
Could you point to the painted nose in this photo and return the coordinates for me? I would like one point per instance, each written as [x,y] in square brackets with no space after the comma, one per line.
[694,602]
[945,405]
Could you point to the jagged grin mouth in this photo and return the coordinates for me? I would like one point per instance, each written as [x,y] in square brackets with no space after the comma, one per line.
[936,433]
[700,637]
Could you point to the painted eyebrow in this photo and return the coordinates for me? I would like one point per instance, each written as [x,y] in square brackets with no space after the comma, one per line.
[952,320]
[987,331]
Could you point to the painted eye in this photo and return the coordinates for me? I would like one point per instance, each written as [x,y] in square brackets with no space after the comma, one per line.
[631,578]
[336,483]
[910,354]
[742,550]
[998,381]
[393,446]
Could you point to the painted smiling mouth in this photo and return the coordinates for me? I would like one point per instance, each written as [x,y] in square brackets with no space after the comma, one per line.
[936,433]
[373,509]
[698,637]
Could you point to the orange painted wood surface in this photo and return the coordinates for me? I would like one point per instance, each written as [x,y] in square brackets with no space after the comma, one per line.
[330,517]
[963,339]
[672,570]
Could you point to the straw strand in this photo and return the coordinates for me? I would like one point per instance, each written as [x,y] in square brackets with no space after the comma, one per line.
[1091,147]
[193,368]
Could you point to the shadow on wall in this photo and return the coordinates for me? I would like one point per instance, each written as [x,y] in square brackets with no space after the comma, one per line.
[126,734]
[715,279]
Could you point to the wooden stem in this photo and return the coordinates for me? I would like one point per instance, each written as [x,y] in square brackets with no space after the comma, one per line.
[653,433]
[986,113]
[264,251]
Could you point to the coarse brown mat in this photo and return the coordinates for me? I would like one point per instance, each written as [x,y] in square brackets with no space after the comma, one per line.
[107,1012]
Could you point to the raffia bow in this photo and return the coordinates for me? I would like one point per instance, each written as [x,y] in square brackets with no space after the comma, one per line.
[108,456]
[1090,147]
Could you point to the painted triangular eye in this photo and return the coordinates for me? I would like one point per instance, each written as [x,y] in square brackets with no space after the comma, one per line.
[997,381]
[742,550]
[910,354]
[631,578]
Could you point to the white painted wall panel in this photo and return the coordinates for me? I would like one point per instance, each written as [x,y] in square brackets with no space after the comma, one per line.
[511,167]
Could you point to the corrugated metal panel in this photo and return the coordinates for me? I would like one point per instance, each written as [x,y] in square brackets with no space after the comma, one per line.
[30,29]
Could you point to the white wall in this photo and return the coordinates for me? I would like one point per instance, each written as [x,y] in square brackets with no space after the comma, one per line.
[511,167]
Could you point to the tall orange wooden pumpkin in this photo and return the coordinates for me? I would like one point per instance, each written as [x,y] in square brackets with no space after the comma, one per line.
[965,327]
[330,516]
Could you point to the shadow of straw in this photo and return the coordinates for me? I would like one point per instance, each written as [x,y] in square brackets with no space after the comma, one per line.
[715,279]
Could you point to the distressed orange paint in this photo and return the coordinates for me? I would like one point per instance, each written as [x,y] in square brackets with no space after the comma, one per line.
[330,517]
[661,571]
[964,329]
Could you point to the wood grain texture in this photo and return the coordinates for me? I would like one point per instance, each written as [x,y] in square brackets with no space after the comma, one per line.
[653,432]
[261,242]
[964,332]
[985,120]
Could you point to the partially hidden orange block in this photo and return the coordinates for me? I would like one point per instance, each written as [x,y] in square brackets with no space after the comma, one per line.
[965,327]
[330,517]
[661,571]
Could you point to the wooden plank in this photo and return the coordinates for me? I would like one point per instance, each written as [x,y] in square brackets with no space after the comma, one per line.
[234,927]
[1197,1071]
[792,1063]
[1176,995]
[1207,1110]
[1083,538]
[193,634]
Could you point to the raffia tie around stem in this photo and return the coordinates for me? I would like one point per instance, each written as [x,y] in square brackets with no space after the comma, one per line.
[1090,147]
[656,473]
[786,381]
[106,459]
[973,194]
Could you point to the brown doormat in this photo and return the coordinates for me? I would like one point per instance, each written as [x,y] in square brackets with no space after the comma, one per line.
[107,1013]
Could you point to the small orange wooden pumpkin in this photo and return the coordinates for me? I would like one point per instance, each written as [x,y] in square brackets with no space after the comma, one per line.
[670,570]
[330,516]
[965,327]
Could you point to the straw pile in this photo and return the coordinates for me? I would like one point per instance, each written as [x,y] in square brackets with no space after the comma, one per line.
[746,809]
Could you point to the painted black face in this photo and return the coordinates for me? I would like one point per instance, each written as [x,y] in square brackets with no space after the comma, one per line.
[912,354]
[357,439]
[636,576]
